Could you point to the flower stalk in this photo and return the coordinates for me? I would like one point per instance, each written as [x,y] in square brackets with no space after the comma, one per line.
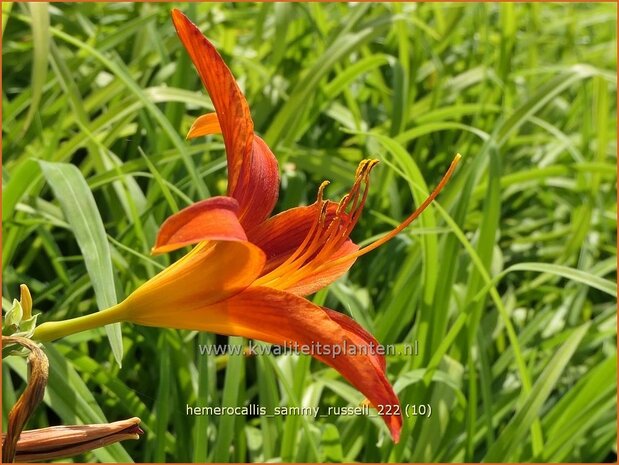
[52,330]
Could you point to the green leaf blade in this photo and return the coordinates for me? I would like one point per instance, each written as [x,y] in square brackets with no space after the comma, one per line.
[80,209]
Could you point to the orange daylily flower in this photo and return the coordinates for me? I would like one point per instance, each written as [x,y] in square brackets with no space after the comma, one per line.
[249,273]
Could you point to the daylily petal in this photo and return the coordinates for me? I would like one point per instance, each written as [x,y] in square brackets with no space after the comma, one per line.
[282,234]
[279,317]
[204,125]
[283,318]
[293,262]
[258,186]
[359,335]
[210,219]
[316,280]
[211,272]
[230,104]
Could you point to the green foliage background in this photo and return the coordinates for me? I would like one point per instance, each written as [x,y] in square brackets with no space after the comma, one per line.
[507,282]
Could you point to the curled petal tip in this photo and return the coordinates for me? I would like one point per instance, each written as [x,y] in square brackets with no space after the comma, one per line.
[211,219]
[256,312]
[253,176]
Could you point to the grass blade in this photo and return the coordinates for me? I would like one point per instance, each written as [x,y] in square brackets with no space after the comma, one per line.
[40,41]
[511,437]
[580,276]
[80,209]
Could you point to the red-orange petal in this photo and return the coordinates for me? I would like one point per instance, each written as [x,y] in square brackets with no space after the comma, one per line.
[360,336]
[230,104]
[204,125]
[283,318]
[279,317]
[210,219]
[258,186]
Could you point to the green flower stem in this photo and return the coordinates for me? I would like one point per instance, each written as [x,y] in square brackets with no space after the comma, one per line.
[53,330]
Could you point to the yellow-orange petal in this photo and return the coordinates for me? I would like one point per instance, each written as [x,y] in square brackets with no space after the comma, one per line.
[230,104]
[210,219]
[204,125]
[213,271]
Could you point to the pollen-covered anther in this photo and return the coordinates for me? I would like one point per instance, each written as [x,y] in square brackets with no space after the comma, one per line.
[344,222]
[400,227]
[342,205]
[359,201]
[321,190]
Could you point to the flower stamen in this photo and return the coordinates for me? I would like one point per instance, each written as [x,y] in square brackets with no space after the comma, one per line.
[324,237]
[394,232]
